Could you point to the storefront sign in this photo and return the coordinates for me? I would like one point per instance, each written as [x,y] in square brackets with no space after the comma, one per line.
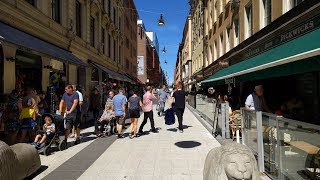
[293,33]
[25,49]
[230,81]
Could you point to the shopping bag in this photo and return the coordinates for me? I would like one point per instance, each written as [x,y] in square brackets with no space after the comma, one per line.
[169,116]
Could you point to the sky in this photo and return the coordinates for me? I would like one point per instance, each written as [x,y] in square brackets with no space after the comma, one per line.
[169,36]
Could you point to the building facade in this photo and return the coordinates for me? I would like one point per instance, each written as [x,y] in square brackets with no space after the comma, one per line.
[186,55]
[197,47]
[149,69]
[57,42]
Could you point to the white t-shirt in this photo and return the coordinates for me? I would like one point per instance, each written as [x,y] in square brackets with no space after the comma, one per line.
[249,102]
[48,129]
[80,96]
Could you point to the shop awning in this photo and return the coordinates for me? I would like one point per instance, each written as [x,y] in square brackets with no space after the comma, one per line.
[12,35]
[110,73]
[280,61]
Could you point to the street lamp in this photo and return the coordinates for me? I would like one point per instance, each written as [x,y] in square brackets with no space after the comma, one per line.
[164,50]
[165,61]
[161,21]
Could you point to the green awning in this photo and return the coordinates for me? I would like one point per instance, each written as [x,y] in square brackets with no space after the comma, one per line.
[296,56]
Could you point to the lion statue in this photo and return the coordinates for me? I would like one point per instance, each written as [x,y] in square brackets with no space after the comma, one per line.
[18,161]
[230,162]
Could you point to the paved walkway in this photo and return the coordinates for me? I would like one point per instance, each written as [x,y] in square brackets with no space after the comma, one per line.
[168,154]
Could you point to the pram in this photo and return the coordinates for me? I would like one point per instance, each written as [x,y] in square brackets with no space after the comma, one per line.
[54,141]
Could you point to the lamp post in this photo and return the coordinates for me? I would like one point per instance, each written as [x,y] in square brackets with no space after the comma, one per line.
[161,21]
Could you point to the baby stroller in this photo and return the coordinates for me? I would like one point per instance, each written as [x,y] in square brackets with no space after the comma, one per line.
[54,141]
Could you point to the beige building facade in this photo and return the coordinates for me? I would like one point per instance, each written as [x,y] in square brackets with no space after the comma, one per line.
[227,23]
[87,40]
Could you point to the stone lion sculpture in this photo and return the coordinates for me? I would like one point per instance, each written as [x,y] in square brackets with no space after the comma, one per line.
[230,162]
[18,161]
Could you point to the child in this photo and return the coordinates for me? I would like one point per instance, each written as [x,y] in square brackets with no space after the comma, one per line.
[49,129]
[27,119]
[104,119]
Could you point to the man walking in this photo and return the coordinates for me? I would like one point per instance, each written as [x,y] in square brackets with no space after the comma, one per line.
[162,97]
[71,99]
[179,104]
[119,106]
[73,134]
[148,98]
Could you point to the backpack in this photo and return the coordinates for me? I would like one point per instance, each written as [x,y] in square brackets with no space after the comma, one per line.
[169,116]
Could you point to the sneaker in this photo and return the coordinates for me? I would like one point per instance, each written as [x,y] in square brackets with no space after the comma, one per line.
[131,136]
[154,131]
[142,133]
[120,136]
[77,141]
[181,130]
[71,136]
[137,135]
[158,113]
[34,144]
[42,145]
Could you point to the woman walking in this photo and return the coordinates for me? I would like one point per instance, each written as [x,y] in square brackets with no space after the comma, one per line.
[134,104]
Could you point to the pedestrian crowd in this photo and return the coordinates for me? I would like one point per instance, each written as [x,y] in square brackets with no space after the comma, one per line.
[26,117]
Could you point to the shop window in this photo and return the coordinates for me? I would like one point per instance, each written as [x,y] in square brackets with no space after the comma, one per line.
[78,18]
[28,70]
[104,77]
[95,74]
[81,76]
[56,10]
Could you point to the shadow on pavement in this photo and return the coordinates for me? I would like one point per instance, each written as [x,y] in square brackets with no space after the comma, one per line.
[39,171]
[172,129]
[187,144]
[186,126]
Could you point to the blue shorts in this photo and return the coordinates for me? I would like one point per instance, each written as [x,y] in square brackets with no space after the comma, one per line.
[28,124]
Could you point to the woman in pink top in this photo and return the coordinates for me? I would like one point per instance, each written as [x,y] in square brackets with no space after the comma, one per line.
[148,98]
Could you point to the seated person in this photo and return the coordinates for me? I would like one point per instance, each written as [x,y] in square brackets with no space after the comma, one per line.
[105,118]
[48,132]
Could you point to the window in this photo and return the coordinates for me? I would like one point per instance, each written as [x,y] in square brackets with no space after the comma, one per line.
[32,2]
[221,45]
[109,7]
[127,43]
[78,18]
[267,12]
[210,55]
[289,4]
[114,16]
[109,45]
[215,51]
[103,40]
[114,50]
[92,29]
[236,31]
[56,10]
[228,39]
[103,5]
[248,23]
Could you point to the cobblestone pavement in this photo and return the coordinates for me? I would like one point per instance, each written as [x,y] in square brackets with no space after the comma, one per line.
[167,154]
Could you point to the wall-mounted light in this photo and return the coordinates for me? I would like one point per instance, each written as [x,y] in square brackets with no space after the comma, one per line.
[12,59]
[161,21]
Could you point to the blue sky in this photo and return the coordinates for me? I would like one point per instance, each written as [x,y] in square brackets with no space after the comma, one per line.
[170,35]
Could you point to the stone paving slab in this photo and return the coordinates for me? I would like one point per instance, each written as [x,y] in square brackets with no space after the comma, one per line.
[166,155]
